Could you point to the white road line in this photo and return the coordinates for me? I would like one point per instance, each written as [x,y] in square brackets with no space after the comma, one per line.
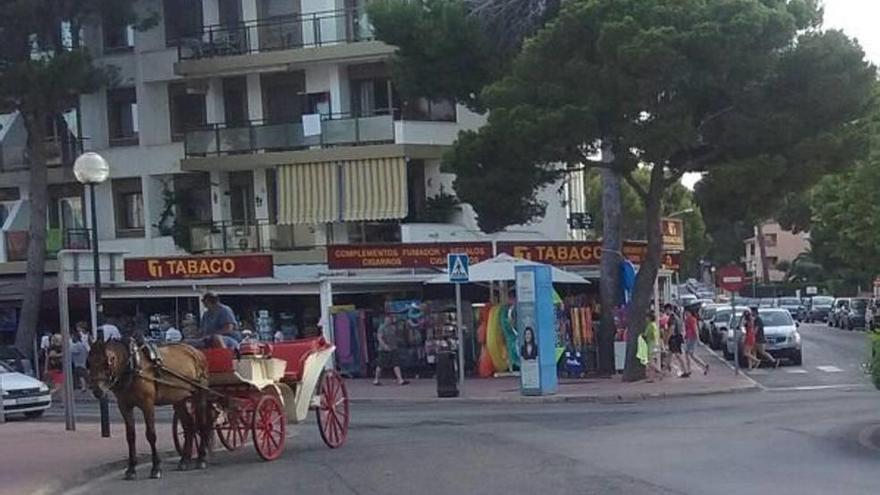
[829,369]
[815,387]
[796,371]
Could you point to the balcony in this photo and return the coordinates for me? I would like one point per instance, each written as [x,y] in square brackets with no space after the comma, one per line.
[258,136]
[278,40]
[16,242]
[232,237]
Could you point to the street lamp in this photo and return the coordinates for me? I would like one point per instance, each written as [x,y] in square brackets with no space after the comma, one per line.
[91,169]
[680,213]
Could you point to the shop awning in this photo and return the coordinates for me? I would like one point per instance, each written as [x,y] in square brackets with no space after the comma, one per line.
[347,191]
[374,189]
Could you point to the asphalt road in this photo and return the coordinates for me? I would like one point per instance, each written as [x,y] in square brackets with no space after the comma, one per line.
[806,433]
[833,358]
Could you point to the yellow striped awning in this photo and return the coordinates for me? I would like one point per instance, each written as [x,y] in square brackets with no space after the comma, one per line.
[348,191]
[308,193]
[374,189]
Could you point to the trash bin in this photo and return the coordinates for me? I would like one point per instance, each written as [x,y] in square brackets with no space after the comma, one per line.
[447,378]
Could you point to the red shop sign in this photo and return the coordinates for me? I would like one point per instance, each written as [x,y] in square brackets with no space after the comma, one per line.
[416,255]
[569,253]
[199,267]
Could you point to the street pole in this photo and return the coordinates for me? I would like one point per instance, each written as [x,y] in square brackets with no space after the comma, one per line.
[459,324]
[735,332]
[103,404]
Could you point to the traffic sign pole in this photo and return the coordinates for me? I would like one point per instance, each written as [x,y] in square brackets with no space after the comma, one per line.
[732,278]
[459,273]
[735,331]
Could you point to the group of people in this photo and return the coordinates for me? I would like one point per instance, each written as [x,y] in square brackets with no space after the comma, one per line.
[676,333]
[754,341]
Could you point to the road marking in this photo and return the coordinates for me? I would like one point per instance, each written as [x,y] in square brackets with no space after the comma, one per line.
[829,369]
[796,371]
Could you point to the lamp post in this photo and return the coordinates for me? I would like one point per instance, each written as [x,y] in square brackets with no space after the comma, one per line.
[680,213]
[91,169]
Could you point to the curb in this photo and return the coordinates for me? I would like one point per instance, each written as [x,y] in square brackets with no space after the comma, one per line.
[59,487]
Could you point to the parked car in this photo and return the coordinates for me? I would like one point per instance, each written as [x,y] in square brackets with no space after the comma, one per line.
[720,324]
[840,306]
[23,394]
[780,331]
[854,317]
[819,308]
[686,299]
[767,302]
[793,305]
[707,313]
[13,358]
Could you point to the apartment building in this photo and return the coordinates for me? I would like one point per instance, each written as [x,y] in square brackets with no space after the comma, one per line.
[250,126]
[780,244]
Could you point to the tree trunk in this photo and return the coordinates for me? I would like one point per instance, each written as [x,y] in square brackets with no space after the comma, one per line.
[644,288]
[36,251]
[762,249]
[609,284]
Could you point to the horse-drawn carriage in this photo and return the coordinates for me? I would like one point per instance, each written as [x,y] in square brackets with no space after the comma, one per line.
[256,393]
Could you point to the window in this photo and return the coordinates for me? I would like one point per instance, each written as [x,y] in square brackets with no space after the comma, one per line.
[194,193]
[187,110]
[128,200]
[118,36]
[235,104]
[122,117]
[186,21]
[372,97]
[438,110]
[282,99]
[771,261]
[751,249]
[373,232]
[770,240]
[66,206]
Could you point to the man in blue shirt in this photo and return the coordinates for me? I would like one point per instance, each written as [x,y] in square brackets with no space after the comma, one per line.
[218,320]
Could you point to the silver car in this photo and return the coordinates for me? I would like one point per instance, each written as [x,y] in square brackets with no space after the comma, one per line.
[780,332]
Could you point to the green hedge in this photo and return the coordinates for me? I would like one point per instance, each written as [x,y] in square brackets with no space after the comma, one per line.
[874,362]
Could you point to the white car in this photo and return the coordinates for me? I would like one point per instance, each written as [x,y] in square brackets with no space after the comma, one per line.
[23,394]
[780,332]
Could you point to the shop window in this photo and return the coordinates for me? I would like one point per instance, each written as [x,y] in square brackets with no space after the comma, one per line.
[122,117]
[118,36]
[186,110]
[434,110]
[373,232]
[183,19]
[128,200]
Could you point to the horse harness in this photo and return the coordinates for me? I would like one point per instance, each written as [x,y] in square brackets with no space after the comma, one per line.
[134,370]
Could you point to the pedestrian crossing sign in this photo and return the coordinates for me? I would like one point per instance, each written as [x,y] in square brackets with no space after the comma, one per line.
[457,267]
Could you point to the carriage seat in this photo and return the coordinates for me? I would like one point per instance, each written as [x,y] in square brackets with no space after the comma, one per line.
[295,353]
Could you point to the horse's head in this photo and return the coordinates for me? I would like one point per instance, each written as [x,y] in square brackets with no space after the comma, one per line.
[106,362]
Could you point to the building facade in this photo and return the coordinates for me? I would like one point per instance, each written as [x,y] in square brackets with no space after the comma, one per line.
[250,126]
[781,246]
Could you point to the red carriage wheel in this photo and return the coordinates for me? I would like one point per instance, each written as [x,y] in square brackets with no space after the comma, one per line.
[269,427]
[178,434]
[333,414]
[233,423]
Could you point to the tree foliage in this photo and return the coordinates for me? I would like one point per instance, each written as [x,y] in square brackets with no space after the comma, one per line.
[677,199]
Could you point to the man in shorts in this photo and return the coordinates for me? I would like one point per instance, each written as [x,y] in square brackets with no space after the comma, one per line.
[676,339]
[387,347]
[218,323]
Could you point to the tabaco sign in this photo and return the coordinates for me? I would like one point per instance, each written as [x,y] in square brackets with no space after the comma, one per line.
[569,253]
[198,267]
[418,255]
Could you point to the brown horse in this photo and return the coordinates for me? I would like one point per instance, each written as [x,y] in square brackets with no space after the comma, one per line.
[140,383]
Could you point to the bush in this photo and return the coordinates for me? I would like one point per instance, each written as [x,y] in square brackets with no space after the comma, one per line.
[874,362]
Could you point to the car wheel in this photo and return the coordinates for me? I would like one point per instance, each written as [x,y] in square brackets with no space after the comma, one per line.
[34,414]
[798,359]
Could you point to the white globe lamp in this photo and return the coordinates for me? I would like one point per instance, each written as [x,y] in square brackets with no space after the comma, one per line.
[91,168]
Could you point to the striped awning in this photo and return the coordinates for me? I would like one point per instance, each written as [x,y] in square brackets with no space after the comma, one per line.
[347,191]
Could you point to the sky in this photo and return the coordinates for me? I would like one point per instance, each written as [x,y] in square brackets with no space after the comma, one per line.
[859,19]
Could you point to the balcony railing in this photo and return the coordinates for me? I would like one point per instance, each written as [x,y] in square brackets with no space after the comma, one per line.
[60,152]
[256,236]
[56,239]
[260,136]
[277,33]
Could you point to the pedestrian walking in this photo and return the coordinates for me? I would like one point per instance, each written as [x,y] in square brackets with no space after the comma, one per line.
[676,340]
[691,336]
[749,340]
[649,355]
[79,353]
[869,316]
[388,358]
[761,340]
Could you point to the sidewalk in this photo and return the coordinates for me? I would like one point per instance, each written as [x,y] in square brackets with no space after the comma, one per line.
[40,457]
[721,379]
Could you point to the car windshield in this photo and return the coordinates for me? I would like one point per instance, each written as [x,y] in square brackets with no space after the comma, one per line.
[707,313]
[789,301]
[5,369]
[822,301]
[859,304]
[776,318]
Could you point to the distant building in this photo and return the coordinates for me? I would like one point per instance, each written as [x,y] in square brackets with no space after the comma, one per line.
[781,245]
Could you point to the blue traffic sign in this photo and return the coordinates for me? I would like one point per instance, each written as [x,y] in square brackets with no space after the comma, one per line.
[457,265]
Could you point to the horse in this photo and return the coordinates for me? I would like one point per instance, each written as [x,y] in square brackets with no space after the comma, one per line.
[134,376]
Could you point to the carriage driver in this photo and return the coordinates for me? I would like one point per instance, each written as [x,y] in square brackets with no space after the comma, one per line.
[218,323]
